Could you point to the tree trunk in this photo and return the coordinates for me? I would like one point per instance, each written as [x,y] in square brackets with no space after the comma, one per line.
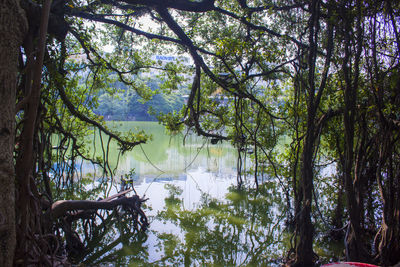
[387,175]
[355,250]
[304,250]
[12,27]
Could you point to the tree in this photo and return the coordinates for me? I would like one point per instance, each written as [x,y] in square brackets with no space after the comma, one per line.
[13,27]
[248,57]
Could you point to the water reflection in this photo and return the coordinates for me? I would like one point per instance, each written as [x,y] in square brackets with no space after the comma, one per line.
[199,168]
[197,216]
[244,229]
[114,241]
[164,156]
[201,220]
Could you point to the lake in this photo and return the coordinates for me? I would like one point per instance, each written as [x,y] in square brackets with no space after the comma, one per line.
[197,215]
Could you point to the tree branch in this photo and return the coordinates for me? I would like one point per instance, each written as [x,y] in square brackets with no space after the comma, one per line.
[61,207]
[184,5]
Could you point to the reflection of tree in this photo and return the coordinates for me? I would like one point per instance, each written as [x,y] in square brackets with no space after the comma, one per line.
[246,229]
[118,242]
[173,154]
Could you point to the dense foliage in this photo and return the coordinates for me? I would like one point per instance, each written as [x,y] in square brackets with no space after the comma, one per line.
[320,76]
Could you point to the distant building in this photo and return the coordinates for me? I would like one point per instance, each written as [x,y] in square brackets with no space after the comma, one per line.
[162,60]
[176,59]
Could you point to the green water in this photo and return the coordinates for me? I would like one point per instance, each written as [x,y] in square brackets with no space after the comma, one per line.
[163,155]
[197,215]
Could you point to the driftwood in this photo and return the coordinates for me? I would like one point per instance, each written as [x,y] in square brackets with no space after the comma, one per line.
[68,211]
[61,208]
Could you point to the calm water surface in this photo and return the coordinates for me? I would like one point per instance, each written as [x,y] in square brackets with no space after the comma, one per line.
[197,216]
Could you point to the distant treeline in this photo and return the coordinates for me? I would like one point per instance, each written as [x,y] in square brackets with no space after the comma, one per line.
[127,104]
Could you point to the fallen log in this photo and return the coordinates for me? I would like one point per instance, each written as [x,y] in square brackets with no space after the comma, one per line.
[61,208]
[76,214]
